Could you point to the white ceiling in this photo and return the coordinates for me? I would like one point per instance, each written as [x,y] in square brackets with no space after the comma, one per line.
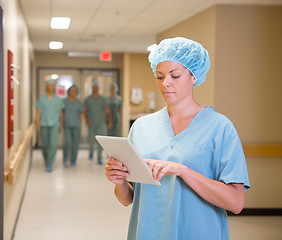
[111,25]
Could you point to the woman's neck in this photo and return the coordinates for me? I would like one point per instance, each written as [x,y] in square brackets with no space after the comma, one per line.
[181,116]
[184,110]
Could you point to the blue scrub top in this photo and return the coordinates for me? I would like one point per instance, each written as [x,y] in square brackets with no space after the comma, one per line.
[210,146]
[49,110]
[72,113]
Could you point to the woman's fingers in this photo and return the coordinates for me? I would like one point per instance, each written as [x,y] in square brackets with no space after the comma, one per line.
[160,168]
[116,172]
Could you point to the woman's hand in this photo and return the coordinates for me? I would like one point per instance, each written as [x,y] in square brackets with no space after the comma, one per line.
[116,172]
[160,168]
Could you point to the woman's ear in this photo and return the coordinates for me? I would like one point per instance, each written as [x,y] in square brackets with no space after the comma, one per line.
[194,80]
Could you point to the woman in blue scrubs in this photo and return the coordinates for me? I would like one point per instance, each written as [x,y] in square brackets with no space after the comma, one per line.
[193,151]
[73,114]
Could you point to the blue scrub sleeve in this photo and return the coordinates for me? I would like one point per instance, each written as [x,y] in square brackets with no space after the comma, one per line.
[233,163]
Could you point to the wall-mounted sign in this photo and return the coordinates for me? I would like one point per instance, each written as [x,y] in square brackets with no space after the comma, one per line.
[105,56]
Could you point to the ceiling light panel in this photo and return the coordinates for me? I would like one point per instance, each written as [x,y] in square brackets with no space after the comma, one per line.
[60,22]
[55,45]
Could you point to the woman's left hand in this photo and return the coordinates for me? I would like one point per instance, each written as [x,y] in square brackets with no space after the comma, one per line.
[160,168]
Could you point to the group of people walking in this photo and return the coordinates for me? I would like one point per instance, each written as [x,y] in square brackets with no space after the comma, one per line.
[53,114]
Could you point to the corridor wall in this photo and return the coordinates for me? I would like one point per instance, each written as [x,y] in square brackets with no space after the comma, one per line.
[16,39]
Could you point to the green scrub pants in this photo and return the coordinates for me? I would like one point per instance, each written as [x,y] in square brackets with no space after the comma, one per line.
[49,138]
[96,129]
[71,143]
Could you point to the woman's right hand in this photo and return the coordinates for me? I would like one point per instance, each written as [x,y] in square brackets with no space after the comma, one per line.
[116,172]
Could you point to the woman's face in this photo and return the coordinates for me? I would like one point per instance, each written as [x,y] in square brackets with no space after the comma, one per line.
[174,81]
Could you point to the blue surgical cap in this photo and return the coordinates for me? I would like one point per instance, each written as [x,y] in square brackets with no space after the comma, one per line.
[76,88]
[50,81]
[190,54]
[95,83]
[113,84]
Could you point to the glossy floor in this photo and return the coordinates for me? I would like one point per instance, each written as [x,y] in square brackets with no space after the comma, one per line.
[78,203]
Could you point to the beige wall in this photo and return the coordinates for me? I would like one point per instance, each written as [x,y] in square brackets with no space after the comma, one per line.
[141,76]
[47,59]
[17,40]
[248,89]
[244,83]
[248,70]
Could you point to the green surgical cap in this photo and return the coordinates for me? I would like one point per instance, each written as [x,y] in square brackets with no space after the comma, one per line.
[50,81]
[189,53]
[95,83]
[114,85]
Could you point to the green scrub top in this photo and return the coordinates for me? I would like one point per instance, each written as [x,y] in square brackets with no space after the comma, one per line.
[115,105]
[72,113]
[95,109]
[49,110]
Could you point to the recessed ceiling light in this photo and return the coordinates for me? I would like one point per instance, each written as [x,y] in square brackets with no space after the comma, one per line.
[54,76]
[56,45]
[60,22]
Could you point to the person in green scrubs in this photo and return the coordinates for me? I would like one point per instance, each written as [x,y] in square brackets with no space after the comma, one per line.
[49,118]
[73,114]
[115,104]
[96,112]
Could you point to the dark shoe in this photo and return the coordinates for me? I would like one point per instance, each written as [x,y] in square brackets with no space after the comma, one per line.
[49,169]
[100,161]
[73,164]
[90,156]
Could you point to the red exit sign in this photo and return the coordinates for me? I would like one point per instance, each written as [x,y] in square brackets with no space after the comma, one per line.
[105,56]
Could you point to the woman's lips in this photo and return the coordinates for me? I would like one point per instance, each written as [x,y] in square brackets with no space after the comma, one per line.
[168,93]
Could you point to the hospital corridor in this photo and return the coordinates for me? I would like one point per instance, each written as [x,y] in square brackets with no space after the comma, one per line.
[194,85]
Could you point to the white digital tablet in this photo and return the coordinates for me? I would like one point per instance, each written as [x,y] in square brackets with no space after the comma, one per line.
[123,150]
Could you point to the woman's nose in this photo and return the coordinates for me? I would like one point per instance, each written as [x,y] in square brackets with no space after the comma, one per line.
[166,81]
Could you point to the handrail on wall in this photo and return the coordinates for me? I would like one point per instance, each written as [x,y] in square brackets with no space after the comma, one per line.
[17,158]
[251,150]
[262,150]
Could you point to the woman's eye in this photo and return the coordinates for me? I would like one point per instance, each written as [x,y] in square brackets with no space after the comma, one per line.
[177,76]
[160,78]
